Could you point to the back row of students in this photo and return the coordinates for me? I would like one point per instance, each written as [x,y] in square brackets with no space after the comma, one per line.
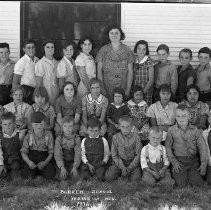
[30,72]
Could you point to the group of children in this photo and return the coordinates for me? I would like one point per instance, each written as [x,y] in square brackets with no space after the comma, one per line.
[79,133]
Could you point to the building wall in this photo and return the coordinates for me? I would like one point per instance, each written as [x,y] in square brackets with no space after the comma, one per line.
[177,25]
[10,26]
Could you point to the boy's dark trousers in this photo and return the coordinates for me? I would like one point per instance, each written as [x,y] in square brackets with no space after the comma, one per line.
[114,172]
[48,171]
[11,154]
[96,161]
[205,96]
[189,172]
[28,94]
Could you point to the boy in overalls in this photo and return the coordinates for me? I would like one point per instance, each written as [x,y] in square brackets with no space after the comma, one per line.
[154,161]
[10,143]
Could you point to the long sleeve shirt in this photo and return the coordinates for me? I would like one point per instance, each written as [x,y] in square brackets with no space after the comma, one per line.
[106,151]
[126,148]
[62,142]
[185,143]
[166,73]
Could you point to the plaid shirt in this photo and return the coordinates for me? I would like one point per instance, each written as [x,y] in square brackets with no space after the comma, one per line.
[141,75]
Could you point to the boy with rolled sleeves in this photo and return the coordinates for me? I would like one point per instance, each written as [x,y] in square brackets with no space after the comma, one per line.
[37,150]
[67,150]
[183,143]
[125,150]
[94,152]
[154,161]
[10,143]
[6,73]
[24,71]
[203,74]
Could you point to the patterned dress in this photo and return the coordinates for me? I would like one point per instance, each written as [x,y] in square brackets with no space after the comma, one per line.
[141,76]
[115,66]
[94,108]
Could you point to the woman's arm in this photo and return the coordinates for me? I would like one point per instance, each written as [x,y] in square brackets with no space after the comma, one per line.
[151,79]
[129,78]
[83,76]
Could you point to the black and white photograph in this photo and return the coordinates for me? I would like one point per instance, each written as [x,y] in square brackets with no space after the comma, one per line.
[105,105]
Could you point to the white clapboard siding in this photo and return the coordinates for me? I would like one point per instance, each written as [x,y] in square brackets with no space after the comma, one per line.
[10,26]
[177,25]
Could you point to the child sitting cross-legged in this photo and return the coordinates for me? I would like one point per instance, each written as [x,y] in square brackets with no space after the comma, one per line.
[94,151]
[10,143]
[154,161]
[185,145]
[67,150]
[37,150]
[126,149]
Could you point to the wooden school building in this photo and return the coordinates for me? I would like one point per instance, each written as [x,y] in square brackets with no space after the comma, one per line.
[179,25]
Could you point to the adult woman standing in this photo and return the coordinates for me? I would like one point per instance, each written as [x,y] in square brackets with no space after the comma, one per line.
[115,63]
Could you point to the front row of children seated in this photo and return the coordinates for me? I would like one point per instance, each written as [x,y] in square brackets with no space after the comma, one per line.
[183,160]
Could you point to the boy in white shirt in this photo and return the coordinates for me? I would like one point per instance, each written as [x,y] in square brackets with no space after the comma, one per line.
[24,71]
[154,161]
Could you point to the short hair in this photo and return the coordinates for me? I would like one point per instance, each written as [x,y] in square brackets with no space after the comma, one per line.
[182,106]
[94,81]
[126,118]
[42,92]
[205,50]
[186,50]
[122,34]
[5,45]
[68,119]
[143,42]
[8,116]
[28,41]
[137,88]
[163,47]
[69,83]
[83,39]
[155,129]
[37,117]
[70,43]
[118,90]
[192,86]
[94,122]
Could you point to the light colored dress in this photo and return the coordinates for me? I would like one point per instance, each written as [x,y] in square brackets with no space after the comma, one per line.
[88,62]
[46,69]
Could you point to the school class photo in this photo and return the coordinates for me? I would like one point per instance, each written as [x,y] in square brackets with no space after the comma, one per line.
[106,93]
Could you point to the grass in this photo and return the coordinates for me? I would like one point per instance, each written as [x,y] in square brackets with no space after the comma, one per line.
[42,194]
